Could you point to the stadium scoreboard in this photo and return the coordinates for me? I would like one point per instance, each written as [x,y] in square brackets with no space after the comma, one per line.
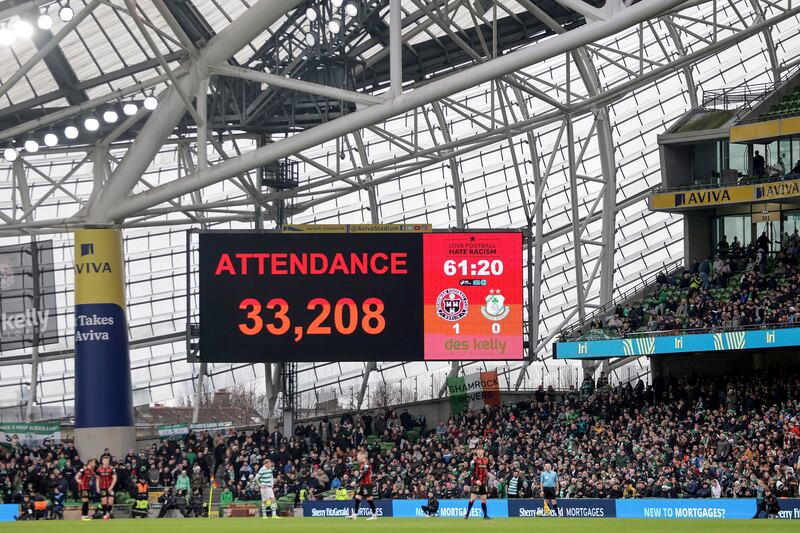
[271,297]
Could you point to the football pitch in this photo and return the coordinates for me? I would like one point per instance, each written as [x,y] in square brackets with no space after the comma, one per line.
[441,525]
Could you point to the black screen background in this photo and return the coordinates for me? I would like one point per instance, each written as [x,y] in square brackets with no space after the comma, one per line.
[222,341]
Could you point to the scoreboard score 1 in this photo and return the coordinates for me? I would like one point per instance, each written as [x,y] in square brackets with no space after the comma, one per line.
[271,297]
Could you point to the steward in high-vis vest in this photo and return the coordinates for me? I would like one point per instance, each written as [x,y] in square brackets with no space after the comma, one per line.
[141,505]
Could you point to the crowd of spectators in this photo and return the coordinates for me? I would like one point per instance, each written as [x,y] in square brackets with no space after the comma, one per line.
[740,286]
[695,437]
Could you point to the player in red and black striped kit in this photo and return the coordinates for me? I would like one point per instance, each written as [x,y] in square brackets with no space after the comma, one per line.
[364,489]
[84,479]
[106,480]
[480,471]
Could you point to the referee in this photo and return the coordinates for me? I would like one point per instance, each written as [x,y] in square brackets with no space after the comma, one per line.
[549,481]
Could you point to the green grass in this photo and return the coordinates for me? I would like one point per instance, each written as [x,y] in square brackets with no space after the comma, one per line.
[440,525]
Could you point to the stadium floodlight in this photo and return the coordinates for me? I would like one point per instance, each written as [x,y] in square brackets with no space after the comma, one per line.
[311,39]
[334,25]
[130,109]
[311,14]
[50,139]
[6,35]
[91,123]
[150,103]
[66,13]
[337,3]
[351,9]
[10,154]
[23,29]
[71,132]
[45,21]
[31,146]
[110,116]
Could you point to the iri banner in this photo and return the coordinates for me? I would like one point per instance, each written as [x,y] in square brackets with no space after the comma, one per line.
[473,391]
[18,434]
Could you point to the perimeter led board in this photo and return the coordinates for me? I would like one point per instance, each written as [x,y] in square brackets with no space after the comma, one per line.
[360,297]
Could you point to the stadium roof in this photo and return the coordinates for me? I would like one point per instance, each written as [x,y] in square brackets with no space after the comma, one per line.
[474,127]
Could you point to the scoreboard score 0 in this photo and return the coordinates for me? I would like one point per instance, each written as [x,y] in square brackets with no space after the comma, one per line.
[273,297]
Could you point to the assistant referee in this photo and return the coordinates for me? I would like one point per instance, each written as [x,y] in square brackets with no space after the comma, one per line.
[549,481]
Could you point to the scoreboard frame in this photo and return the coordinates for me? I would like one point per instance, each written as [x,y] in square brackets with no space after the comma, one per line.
[516,351]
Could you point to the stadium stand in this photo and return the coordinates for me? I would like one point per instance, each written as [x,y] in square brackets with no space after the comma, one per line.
[789,106]
[739,287]
[693,437]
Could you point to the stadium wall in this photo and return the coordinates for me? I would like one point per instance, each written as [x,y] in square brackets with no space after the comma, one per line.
[435,411]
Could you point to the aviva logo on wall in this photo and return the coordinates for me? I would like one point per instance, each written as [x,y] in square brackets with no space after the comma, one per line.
[731,340]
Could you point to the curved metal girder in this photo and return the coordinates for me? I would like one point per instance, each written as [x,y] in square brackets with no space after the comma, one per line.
[113,206]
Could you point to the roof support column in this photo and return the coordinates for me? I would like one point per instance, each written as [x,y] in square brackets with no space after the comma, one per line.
[538,242]
[437,110]
[25,201]
[395,48]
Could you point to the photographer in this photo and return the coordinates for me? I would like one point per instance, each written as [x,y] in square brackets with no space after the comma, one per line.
[768,507]
[196,506]
[432,507]
[170,501]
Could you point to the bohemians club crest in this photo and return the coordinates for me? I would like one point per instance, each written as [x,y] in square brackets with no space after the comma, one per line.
[451,305]
[495,308]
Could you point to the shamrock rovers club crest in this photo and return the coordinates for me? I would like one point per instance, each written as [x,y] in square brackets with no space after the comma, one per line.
[495,308]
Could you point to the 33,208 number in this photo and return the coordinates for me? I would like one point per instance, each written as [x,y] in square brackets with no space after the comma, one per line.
[348,316]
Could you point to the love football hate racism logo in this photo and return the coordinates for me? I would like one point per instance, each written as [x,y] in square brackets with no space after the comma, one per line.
[452,305]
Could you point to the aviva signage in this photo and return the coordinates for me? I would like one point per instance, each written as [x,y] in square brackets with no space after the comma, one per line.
[103,397]
[736,194]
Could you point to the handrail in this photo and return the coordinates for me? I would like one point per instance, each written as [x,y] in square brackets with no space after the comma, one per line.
[750,95]
[744,180]
[671,268]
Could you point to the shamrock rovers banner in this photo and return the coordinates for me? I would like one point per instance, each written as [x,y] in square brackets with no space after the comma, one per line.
[13,434]
[474,391]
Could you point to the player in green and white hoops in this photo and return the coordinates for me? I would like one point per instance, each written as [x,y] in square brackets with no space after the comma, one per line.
[266,481]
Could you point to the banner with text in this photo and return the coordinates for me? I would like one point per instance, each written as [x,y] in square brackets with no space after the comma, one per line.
[689,508]
[678,344]
[450,508]
[744,508]
[790,509]
[339,508]
[13,434]
[570,508]
[473,391]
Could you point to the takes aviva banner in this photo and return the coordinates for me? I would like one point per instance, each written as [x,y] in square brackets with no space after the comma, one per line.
[103,396]
[678,344]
